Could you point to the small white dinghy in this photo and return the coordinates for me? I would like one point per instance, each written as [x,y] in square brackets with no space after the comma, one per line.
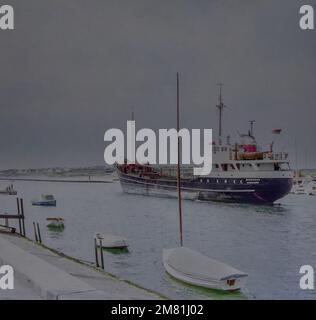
[110,241]
[45,200]
[194,268]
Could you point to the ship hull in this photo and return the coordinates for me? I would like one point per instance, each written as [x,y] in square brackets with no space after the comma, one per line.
[260,191]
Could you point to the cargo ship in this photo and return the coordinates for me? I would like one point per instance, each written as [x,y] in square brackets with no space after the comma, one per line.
[241,173]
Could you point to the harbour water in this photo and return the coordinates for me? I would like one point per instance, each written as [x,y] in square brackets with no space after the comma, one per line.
[269,243]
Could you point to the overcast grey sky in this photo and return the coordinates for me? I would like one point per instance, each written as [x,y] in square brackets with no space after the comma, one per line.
[72,69]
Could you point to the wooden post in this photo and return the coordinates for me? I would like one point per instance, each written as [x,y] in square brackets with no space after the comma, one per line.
[101,252]
[6,220]
[19,213]
[96,253]
[23,217]
[35,233]
[39,233]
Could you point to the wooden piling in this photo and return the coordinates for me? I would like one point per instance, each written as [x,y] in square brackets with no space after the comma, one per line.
[35,233]
[101,252]
[19,214]
[96,253]
[23,217]
[39,233]
[6,220]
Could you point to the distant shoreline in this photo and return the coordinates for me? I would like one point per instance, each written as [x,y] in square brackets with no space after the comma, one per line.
[55,180]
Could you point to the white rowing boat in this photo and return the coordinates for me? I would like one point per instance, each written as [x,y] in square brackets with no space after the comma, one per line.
[110,241]
[194,268]
[46,200]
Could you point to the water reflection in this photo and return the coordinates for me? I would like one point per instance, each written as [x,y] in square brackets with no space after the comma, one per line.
[54,234]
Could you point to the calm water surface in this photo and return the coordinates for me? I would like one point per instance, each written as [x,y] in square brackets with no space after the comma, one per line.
[269,243]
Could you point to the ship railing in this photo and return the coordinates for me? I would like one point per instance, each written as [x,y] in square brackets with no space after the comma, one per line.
[275,155]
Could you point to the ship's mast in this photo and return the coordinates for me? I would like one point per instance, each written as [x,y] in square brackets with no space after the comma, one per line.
[251,127]
[220,108]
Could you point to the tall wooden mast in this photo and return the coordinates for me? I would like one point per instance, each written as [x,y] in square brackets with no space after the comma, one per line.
[178,164]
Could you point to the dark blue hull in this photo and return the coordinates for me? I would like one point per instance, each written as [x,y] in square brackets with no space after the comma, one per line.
[44,204]
[254,191]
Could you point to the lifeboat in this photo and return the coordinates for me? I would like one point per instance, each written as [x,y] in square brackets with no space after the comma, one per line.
[250,156]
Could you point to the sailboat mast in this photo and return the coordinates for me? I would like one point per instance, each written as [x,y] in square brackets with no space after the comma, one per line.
[178,164]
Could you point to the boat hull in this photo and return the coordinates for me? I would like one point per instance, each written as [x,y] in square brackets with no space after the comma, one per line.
[118,247]
[215,284]
[54,226]
[44,203]
[253,191]
[109,241]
